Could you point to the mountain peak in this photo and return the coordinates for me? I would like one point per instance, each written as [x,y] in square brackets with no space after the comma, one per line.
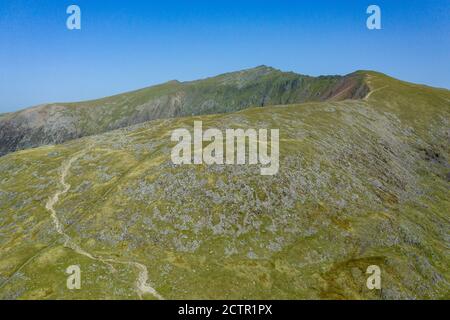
[259,69]
[264,67]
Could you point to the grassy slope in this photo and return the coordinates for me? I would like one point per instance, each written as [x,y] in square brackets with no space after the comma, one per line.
[360,183]
[261,86]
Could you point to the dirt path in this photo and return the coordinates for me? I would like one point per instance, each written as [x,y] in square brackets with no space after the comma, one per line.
[142,286]
[372,91]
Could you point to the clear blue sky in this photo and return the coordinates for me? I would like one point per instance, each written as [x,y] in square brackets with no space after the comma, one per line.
[126,45]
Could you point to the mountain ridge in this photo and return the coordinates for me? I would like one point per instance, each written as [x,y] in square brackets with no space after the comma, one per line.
[261,86]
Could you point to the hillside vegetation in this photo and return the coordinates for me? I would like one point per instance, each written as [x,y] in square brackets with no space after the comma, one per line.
[261,86]
[361,182]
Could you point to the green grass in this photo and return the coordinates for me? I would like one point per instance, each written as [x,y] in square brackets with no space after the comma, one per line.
[355,188]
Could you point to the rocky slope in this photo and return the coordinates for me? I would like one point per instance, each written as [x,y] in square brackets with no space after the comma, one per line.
[361,182]
[261,86]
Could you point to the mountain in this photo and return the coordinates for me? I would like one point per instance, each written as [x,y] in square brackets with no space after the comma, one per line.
[261,86]
[361,182]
